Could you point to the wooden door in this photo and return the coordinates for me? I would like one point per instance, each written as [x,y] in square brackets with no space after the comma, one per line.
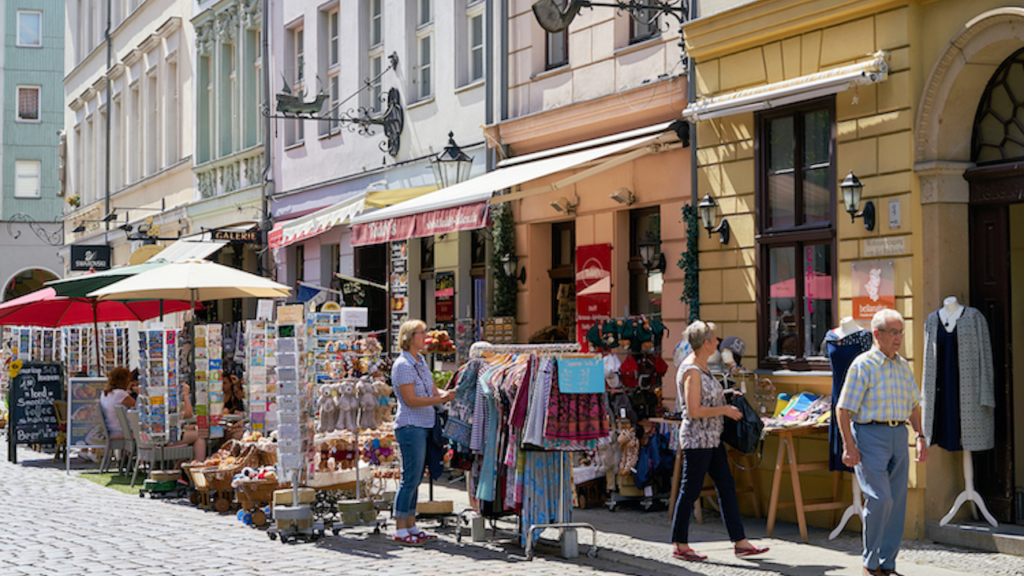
[990,293]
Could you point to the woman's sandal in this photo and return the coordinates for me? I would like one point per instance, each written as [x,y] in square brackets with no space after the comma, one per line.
[690,555]
[409,540]
[752,551]
[425,536]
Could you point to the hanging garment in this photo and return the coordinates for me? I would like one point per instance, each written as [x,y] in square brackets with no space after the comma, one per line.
[575,417]
[946,425]
[976,379]
[841,352]
[459,427]
[544,489]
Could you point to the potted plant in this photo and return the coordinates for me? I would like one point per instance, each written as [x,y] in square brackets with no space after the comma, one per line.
[74,201]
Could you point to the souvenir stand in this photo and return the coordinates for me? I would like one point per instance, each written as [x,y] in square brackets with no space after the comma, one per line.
[354,445]
[159,388]
[260,379]
[78,349]
[292,507]
[520,460]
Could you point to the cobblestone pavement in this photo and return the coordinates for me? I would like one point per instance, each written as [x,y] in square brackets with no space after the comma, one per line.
[58,524]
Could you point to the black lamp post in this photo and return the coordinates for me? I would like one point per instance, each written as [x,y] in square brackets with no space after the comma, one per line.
[651,256]
[509,263]
[708,210]
[452,165]
[852,190]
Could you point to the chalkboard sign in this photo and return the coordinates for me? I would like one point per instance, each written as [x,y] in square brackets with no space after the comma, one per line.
[32,393]
[580,375]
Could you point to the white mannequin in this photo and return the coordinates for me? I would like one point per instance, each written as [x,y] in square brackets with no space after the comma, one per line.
[846,327]
[950,312]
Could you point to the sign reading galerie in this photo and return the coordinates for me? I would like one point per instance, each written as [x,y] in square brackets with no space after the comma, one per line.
[85,258]
[240,236]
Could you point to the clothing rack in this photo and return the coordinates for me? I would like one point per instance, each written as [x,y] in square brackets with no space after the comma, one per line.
[569,546]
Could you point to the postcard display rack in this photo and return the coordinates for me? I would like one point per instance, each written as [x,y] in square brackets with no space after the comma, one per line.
[29,343]
[209,391]
[159,388]
[293,519]
[261,380]
[78,349]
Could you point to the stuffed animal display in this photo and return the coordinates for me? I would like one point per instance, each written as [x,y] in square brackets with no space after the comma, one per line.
[353,405]
[439,342]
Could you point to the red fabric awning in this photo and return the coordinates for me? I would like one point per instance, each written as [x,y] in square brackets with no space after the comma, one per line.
[443,221]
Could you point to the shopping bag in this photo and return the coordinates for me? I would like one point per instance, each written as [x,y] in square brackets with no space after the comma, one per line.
[743,434]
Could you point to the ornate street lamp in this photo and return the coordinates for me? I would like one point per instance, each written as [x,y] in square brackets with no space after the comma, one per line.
[509,263]
[555,16]
[452,165]
[852,190]
[708,210]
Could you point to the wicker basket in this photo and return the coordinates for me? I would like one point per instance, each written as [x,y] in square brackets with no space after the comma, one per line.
[253,493]
[220,477]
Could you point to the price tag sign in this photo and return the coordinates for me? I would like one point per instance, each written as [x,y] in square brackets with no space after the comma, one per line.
[580,375]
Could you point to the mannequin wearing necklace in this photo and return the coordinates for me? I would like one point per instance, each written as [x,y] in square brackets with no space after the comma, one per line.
[842,345]
[958,391]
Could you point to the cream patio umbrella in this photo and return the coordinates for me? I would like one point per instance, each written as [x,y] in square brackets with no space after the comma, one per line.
[192,280]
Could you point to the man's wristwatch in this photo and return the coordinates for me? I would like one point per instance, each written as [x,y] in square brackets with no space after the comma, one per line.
[920,436]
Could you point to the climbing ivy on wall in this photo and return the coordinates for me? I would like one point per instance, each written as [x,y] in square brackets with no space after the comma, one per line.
[504,244]
[689,263]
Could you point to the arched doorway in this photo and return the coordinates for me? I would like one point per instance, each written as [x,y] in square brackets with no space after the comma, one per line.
[997,271]
[26,281]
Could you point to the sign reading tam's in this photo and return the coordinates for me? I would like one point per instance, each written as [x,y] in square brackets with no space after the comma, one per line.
[84,258]
[442,221]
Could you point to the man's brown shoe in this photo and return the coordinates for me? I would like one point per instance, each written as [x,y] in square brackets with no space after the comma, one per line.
[875,572]
[892,572]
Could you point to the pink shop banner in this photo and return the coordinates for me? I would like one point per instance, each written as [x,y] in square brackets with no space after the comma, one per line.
[469,217]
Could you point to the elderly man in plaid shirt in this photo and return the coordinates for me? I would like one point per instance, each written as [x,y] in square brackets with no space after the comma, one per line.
[878,398]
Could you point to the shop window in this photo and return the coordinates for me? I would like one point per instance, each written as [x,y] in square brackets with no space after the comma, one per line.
[557,46]
[335,269]
[371,263]
[796,190]
[645,283]
[563,276]
[997,134]
[478,273]
[300,263]
[645,28]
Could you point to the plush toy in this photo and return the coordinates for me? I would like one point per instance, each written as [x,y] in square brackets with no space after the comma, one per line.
[371,345]
[348,415]
[630,450]
[384,401]
[329,408]
[367,404]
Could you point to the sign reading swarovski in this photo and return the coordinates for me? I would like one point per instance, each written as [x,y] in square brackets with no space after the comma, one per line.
[84,258]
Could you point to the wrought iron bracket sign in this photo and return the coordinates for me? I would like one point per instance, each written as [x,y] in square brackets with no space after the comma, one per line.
[363,119]
[54,238]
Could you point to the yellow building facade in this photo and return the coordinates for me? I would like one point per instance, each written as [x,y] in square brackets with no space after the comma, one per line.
[929,130]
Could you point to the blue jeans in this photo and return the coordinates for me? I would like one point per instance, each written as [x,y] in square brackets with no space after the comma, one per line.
[698,463]
[412,440]
[882,474]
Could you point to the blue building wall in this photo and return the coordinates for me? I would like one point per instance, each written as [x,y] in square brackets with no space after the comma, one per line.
[44,67]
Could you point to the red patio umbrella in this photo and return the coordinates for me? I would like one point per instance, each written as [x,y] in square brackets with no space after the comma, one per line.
[44,308]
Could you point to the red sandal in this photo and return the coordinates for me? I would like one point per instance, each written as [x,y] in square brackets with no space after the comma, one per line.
[409,540]
[752,551]
[690,555]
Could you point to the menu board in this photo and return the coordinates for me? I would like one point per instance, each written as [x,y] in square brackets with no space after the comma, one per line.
[84,412]
[399,289]
[31,397]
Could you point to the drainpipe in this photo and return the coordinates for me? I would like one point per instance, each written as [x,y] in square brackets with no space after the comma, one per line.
[503,50]
[267,181]
[106,159]
[691,96]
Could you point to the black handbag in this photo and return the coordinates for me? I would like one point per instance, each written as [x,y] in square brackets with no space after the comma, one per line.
[743,434]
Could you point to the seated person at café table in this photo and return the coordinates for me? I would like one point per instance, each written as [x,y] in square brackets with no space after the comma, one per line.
[116,392]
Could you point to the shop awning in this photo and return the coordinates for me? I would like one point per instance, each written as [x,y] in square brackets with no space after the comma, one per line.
[285,233]
[200,246]
[790,91]
[465,206]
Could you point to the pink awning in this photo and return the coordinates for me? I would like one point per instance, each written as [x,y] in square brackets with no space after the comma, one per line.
[443,221]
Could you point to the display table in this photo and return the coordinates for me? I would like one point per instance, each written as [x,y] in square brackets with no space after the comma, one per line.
[752,484]
[787,437]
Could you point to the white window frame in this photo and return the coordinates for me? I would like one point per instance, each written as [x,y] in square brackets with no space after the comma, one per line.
[476,11]
[375,31]
[39,99]
[424,68]
[424,13]
[19,42]
[38,176]
[333,40]
[376,89]
[296,134]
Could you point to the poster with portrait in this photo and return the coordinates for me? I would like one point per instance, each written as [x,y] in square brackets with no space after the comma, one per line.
[85,418]
[874,287]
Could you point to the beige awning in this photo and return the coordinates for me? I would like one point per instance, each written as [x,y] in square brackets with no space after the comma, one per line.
[790,91]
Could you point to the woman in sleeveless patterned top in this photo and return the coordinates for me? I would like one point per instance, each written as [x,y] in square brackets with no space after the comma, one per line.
[702,403]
